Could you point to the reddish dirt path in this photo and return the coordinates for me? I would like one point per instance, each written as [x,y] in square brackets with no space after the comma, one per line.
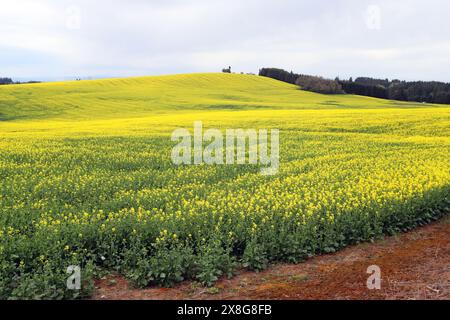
[415,265]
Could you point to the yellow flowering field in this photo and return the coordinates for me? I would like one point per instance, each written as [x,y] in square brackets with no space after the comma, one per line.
[86,179]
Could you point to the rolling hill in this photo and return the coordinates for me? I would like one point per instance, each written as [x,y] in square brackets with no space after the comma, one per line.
[87,179]
[133,97]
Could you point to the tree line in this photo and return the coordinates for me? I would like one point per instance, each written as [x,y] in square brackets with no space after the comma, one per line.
[6,81]
[418,91]
[306,82]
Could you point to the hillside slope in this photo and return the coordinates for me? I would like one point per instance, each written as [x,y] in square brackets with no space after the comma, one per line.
[87,179]
[131,97]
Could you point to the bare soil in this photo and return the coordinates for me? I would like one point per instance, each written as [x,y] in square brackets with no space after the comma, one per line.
[414,266]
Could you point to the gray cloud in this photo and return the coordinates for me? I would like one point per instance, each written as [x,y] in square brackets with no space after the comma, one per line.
[408,39]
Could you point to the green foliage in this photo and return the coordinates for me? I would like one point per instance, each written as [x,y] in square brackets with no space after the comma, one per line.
[212,262]
[255,257]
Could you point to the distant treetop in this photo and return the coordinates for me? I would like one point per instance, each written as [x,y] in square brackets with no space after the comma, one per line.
[6,81]
[419,91]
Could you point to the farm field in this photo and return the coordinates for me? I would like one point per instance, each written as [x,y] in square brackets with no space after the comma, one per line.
[86,179]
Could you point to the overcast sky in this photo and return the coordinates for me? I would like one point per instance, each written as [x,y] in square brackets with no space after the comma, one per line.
[60,39]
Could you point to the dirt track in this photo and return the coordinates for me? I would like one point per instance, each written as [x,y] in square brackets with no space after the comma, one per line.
[415,265]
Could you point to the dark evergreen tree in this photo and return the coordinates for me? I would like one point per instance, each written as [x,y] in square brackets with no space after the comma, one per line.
[6,81]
